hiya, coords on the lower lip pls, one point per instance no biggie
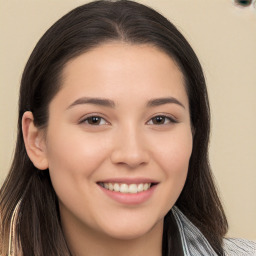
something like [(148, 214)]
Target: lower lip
[(129, 198)]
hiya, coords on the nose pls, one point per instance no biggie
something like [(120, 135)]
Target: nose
[(129, 148)]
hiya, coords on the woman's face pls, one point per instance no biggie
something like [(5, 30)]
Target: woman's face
[(120, 121)]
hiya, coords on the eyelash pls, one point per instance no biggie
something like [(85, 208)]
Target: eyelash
[(85, 120), (165, 117)]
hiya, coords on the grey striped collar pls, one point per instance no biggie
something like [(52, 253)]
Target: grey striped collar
[(193, 241), (195, 244)]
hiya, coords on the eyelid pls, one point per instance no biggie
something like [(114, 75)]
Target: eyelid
[(167, 116), (85, 117)]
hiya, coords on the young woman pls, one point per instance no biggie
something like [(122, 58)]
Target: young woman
[(112, 148)]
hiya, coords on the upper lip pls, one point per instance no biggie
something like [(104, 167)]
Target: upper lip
[(128, 181)]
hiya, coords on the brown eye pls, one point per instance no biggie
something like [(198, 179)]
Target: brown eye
[(161, 120), (94, 120)]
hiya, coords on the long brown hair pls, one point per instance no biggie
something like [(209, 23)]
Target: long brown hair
[(38, 226)]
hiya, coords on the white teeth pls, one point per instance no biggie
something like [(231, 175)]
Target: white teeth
[(145, 186), (133, 188), (110, 186), (116, 187), (125, 188), (140, 187)]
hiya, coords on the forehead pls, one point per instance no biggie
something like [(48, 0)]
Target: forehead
[(118, 69)]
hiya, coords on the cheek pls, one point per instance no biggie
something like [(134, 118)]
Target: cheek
[(75, 151), (173, 154), (173, 158), (73, 159)]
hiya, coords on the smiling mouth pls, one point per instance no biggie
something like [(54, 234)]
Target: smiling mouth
[(126, 188)]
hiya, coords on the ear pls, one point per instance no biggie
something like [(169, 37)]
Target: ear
[(34, 142)]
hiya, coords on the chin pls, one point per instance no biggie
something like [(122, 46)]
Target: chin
[(128, 235), (132, 231)]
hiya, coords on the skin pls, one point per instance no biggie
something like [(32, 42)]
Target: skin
[(126, 143)]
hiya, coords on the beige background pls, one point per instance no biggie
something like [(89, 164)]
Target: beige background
[(224, 37)]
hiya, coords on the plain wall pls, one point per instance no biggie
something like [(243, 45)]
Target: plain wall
[(224, 38)]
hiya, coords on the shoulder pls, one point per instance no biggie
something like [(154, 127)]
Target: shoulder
[(239, 247)]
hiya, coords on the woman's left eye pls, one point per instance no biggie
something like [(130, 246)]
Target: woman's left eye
[(161, 120), (94, 120)]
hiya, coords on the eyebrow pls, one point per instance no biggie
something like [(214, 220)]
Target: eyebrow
[(110, 103), (94, 101), (162, 101)]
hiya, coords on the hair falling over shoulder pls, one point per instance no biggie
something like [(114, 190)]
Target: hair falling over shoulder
[(38, 228)]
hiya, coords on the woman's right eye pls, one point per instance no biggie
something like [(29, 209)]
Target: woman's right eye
[(94, 120)]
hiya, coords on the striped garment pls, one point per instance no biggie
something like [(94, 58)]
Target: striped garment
[(195, 244)]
